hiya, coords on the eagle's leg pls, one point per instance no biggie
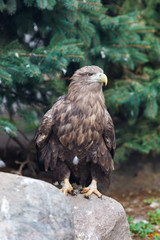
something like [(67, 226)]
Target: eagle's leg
[(67, 187), (92, 188), (63, 174)]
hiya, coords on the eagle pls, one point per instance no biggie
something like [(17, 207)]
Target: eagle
[(76, 138)]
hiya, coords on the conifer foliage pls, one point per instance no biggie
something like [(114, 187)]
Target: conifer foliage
[(42, 42)]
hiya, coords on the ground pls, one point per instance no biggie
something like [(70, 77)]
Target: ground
[(137, 188), (134, 205)]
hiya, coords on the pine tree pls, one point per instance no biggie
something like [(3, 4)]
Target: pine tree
[(136, 94), (44, 41)]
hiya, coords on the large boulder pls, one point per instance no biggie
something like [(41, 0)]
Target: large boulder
[(97, 219), (36, 210), (33, 209)]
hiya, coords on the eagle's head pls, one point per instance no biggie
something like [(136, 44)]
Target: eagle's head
[(90, 75)]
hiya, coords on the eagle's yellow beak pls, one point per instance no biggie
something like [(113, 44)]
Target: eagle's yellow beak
[(103, 79)]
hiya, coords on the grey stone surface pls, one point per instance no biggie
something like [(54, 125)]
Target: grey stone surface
[(33, 210), (97, 219)]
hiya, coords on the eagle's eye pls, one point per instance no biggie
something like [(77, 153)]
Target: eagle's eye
[(90, 74)]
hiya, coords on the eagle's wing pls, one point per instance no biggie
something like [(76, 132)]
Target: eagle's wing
[(109, 134), (44, 129), (107, 145), (46, 147)]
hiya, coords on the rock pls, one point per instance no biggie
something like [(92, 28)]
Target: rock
[(97, 219), (154, 205), (2, 164), (36, 210), (33, 209), (140, 219)]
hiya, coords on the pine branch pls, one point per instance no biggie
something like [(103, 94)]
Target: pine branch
[(132, 46), (74, 56), (92, 3)]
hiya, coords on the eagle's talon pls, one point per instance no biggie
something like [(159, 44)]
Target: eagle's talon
[(85, 190), (101, 197), (73, 193), (88, 197), (80, 189), (67, 187), (92, 188)]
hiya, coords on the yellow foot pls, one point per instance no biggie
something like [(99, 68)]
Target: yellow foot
[(67, 187), (92, 188)]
